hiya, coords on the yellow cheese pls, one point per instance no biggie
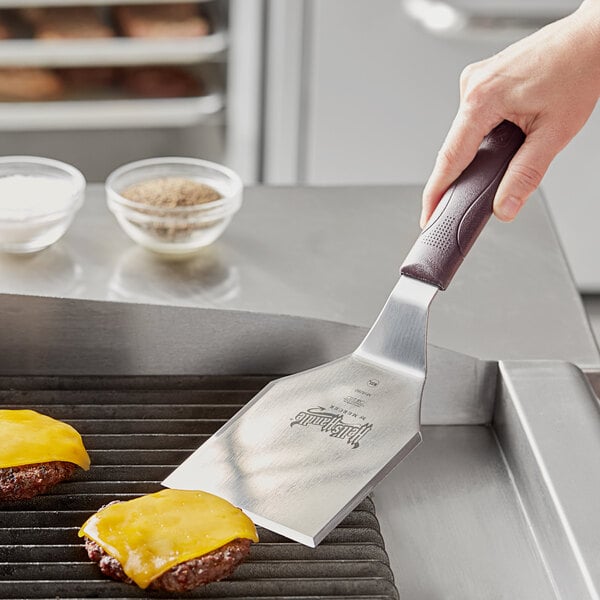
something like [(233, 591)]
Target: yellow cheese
[(29, 438), (151, 534)]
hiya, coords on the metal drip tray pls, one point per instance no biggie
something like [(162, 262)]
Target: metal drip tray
[(137, 430), (501, 506)]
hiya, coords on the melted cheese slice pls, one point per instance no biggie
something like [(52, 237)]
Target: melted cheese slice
[(29, 438), (151, 534)]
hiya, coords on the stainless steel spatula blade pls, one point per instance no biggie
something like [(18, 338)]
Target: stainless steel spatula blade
[(309, 447)]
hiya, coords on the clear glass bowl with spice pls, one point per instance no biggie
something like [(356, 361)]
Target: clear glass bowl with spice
[(174, 205), (39, 198)]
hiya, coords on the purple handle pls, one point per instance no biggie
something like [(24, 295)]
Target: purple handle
[(463, 210)]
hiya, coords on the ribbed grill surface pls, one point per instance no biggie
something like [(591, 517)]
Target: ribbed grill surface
[(137, 430)]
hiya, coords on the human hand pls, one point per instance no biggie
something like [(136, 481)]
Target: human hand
[(547, 83)]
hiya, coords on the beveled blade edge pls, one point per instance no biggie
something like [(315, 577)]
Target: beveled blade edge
[(313, 540)]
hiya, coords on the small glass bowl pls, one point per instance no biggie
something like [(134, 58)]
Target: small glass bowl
[(177, 230), (25, 229)]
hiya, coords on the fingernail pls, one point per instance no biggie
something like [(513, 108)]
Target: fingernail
[(422, 220), (508, 208)]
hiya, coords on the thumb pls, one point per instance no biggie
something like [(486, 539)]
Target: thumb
[(523, 176)]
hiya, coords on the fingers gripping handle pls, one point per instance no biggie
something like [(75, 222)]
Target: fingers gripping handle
[(463, 210)]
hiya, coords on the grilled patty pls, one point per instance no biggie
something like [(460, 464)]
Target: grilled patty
[(186, 576), (21, 483)]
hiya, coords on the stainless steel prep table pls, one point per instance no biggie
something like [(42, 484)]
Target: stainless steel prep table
[(332, 253), (477, 511)]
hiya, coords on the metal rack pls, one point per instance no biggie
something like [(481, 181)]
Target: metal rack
[(108, 114), (27, 3), (112, 52), (111, 108)]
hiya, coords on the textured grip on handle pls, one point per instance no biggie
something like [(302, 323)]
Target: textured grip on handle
[(463, 211)]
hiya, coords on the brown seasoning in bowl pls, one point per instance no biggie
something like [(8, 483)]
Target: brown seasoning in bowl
[(171, 193)]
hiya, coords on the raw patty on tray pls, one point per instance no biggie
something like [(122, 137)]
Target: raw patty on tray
[(6, 31), (161, 21), (87, 78), (67, 22), (161, 82), (28, 84)]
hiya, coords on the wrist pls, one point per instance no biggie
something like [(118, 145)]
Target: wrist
[(590, 5), (587, 17), (586, 38)]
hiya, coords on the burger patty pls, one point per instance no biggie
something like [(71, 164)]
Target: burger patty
[(26, 481), (183, 577)]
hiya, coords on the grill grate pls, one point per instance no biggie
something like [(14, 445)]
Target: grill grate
[(137, 430)]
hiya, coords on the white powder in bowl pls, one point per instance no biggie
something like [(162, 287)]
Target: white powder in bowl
[(26, 196)]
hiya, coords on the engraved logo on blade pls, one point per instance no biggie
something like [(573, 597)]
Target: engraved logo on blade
[(332, 424)]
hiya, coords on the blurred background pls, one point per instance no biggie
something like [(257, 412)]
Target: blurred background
[(310, 92)]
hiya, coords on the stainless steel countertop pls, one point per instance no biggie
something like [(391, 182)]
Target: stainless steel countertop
[(331, 253)]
